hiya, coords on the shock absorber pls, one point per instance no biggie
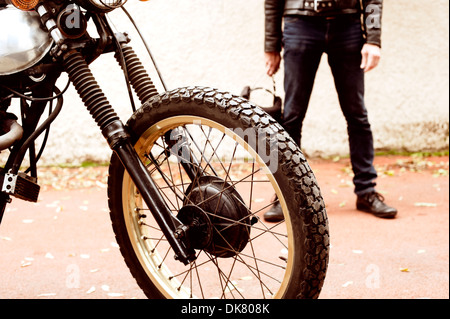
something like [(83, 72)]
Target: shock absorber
[(114, 131), (87, 87), (81, 77), (93, 98), (137, 75)]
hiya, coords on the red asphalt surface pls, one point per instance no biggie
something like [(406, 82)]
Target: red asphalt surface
[(63, 247)]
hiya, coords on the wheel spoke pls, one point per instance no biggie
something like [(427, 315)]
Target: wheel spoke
[(210, 275)]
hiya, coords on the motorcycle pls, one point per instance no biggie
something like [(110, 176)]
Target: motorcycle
[(191, 172)]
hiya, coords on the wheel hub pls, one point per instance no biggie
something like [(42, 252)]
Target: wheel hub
[(218, 220)]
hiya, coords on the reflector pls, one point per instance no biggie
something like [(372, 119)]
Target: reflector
[(25, 5)]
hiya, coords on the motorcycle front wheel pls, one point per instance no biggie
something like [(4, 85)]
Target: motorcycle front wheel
[(220, 162)]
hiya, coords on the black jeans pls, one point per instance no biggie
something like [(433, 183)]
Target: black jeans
[(305, 40)]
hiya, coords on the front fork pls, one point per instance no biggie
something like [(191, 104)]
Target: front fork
[(114, 132)]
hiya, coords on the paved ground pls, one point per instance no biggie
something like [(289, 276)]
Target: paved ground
[(63, 246)]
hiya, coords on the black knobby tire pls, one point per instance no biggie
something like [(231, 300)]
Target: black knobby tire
[(300, 261)]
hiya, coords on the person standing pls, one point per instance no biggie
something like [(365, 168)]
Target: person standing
[(349, 32)]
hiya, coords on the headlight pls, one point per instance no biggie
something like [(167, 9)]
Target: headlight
[(101, 5)]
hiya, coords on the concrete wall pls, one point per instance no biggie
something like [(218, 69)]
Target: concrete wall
[(219, 43)]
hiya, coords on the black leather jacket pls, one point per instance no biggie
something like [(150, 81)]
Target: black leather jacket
[(276, 9)]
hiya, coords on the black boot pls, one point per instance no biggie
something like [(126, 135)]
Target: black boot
[(275, 213), (373, 203)]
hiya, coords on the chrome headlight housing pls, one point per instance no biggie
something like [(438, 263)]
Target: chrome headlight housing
[(101, 5)]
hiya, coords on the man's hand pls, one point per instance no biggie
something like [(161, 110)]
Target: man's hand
[(371, 55), (272, 60)]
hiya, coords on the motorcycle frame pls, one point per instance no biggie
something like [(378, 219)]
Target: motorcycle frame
[(115, 132)]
